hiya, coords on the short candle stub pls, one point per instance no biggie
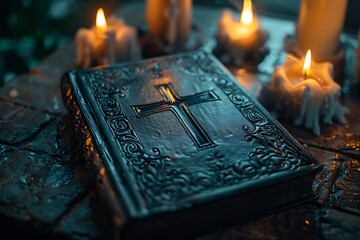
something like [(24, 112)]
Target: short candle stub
[(291, 46), (108, 42), (241, 42), (304, 91)]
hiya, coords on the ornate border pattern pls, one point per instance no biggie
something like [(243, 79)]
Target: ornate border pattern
[(161, 184)]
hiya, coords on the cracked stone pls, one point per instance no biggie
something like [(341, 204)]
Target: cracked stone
[(346, 192), (35, 189), (37, 91), (28, 122), (336, 223), (55, 139), (80, 222)]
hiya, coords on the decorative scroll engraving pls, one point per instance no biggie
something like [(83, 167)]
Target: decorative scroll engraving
[(158, 180), (275, 153), (180, 107)]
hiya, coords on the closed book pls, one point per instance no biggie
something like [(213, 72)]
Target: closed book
[(179, 148)]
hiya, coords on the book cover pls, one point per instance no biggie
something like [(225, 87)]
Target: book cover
[(180, 148)]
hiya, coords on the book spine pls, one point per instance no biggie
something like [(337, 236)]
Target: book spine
[(93, 160), (82, 133)]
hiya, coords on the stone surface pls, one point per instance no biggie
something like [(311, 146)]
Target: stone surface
[(36, 91), (346, 189), (54, 139), (339, 225), (36, 189), (44, 187), (296, 223), (78, 223), (28, 122)]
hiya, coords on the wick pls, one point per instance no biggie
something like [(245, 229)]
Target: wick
[(307, 73)]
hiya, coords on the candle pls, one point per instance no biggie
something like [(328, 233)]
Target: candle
[(319, 26), (106, 43), (238, 37), (305, 91), (169, 21)]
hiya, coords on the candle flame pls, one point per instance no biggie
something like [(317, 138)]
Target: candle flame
[(100, 20), (307, 63), (247, 14)]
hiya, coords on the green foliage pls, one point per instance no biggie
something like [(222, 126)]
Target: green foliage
[(32, 29)]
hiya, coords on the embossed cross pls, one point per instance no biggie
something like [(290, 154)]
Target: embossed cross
[(180, 107)]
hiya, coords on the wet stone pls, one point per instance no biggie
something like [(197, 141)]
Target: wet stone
[(323, 182), (346, 190), (56, 139), (79, 223), (28, 122), (340, 224), (35, 189), (37, 91), (295, 223)]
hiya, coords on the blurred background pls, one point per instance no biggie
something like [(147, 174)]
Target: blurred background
[(32, 29)]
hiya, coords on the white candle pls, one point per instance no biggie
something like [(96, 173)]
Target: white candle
[(243, 33), (319, 26), (169, 20), (306, 92), (106, 43), (239, 36)]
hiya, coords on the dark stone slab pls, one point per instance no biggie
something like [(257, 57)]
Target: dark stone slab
[(346, 189), (54, 139), (295, 223), (323, 182), (339, 225), (79, 223), (37, 91), (18, 123), (35, 189)]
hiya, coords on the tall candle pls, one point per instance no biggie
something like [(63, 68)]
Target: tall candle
[(169, 20), (319, 26)]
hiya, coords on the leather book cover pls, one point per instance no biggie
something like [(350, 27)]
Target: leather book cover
[(180, 148)]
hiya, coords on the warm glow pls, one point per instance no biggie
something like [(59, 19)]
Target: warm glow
[(100, 20), (307, 63), (247, 15)]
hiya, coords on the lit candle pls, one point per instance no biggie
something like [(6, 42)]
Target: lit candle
[(106, 43), (306, 92), (319, 26), (169, 21), (238, 37)]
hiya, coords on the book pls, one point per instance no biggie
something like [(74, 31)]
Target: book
[(179, 148)]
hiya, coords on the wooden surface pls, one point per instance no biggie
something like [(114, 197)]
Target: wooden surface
[(45, 190)]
